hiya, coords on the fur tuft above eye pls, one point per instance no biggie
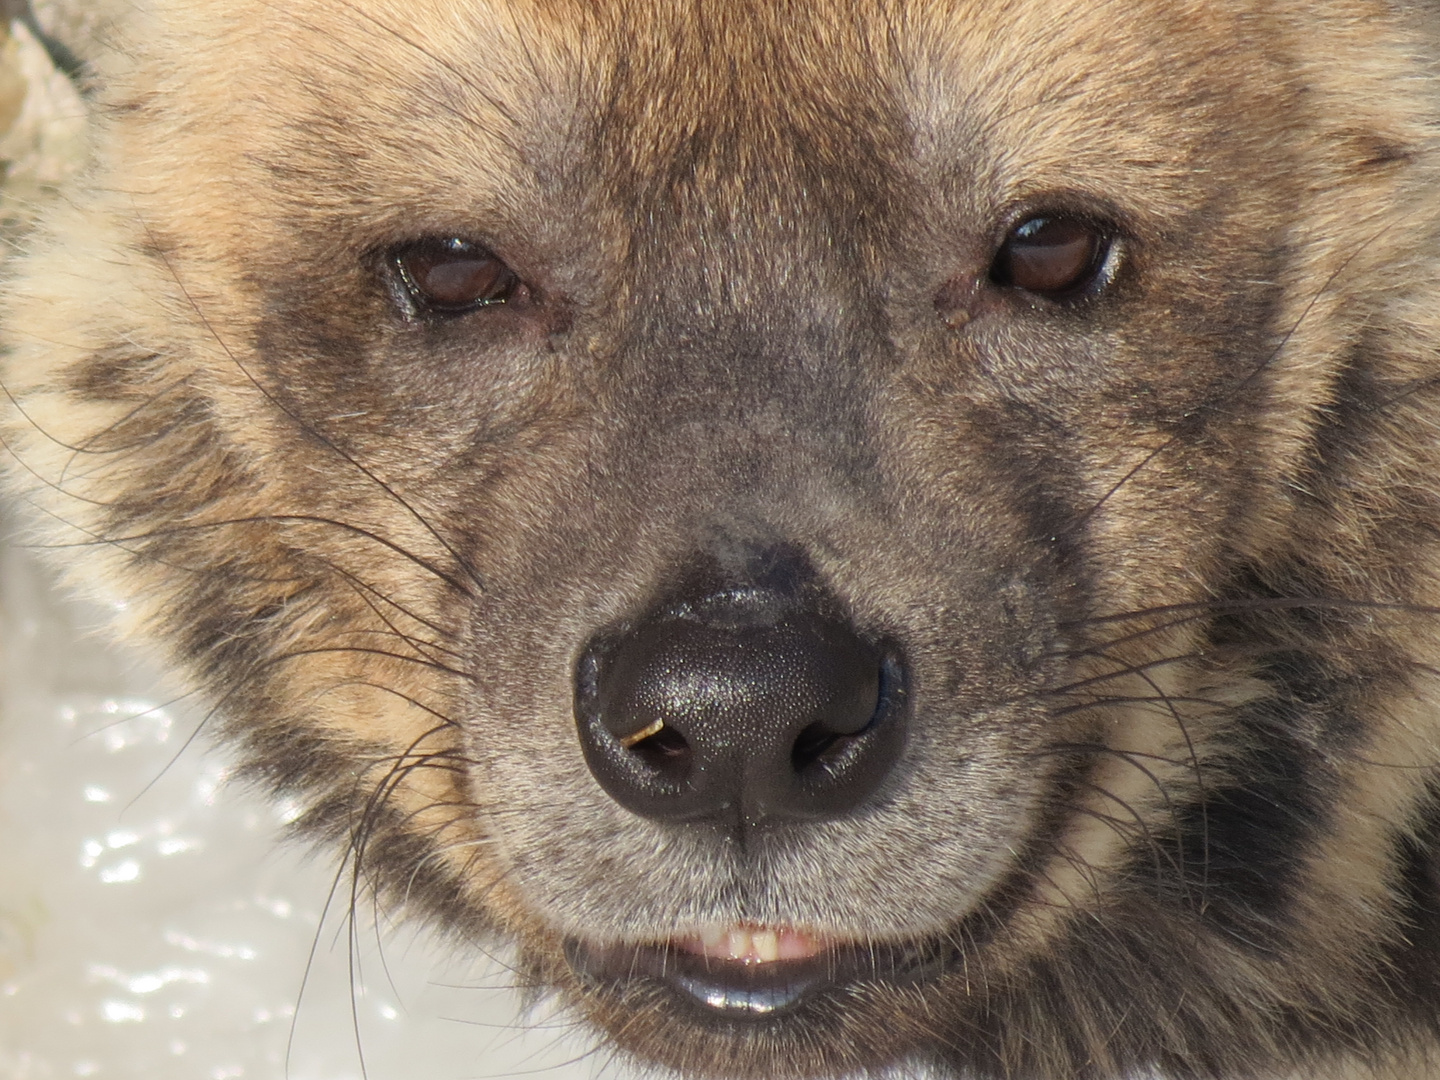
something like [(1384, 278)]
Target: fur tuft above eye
[(452, 276)]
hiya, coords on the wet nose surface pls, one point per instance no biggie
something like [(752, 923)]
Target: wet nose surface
[(741, 705)]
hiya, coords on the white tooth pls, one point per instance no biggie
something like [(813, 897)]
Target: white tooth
[(766, 944), (712, 936), (739, 945)]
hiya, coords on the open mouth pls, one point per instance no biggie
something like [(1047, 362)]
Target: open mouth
[(741, 972), (744, 972), (753, 944)]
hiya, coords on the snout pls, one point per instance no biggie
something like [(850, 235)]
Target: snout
[(778, 801), (738, 702)]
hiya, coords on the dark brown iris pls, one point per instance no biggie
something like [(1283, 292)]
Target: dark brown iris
[(454, 275), (1054, 257)]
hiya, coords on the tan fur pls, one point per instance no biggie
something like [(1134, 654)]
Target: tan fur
[(760, 234)]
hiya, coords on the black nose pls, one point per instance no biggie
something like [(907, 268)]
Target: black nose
[(741, 704)]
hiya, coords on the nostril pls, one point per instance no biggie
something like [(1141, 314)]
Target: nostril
[(826, 742), (813, 745), (622, 731), (663, 749)]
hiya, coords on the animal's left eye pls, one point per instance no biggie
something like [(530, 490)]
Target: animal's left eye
[(451, 276), (1054, 257)]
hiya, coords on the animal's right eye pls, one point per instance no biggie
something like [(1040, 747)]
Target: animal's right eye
[(452, 276)]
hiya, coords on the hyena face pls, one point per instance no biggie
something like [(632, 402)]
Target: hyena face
[(852, 533)]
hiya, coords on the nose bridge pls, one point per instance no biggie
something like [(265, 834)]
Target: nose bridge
[(760, 428), (744, 297), (791, 377), (768, 338), (732, 405)]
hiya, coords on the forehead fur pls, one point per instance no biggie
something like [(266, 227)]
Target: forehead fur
[(415, 116)]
